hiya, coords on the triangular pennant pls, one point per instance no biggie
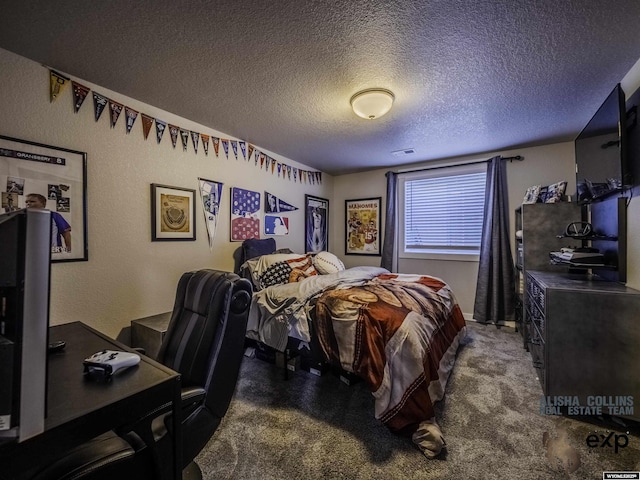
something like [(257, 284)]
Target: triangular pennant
[(160, 128), (289, 171), (225, 145), (262, 158), (184, 135), (115, 108), (268, 164), (243, 147), (147, 121), (205, 143), (99, 104), (234, 146), (251, 149), (273, 204), (304, 173), (311, 178), (131, 116), (319, 174), (295, 174), (173, 130), (216, 144), (279, 169), (273, 166), (257, 157), (195, 138), (57, 83), (80, 92)]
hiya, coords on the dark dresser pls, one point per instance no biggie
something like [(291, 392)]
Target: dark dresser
[(584, 338)]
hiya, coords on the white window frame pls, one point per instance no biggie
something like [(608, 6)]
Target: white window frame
[(435, 254)]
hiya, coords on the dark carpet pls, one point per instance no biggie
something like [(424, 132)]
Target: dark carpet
[(314, 427)]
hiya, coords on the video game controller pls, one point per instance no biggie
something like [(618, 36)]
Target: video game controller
[(108, 362)]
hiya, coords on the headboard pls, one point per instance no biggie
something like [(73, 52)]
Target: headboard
[(250, 248)]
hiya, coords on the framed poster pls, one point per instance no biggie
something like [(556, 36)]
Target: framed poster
[(363, 226), (172, 213), (33, 175), (245, 214), (316, 224)]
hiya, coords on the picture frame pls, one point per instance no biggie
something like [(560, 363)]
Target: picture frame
[(362, 226), (316, 224), (172, 213), (36, 175)]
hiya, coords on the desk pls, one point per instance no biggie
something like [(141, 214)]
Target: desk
[(80, 408)]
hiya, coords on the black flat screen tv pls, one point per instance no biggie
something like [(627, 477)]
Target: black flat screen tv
[(601, 151)]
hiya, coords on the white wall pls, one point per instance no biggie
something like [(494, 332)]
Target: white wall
[(541, 165), (128, 276)]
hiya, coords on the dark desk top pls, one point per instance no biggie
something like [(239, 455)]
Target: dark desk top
[(71, 394), (80, 407)]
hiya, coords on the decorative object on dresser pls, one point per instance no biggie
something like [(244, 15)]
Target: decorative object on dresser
[(537, 228)]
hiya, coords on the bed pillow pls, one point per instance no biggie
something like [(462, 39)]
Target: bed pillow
[(277, 269), (255, 247), (326, 262)]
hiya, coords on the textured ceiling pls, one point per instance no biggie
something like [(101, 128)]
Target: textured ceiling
[(469, 76)]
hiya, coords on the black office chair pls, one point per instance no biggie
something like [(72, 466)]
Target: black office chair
[(205, 343)]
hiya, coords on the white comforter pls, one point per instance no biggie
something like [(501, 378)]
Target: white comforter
[(280, 311)]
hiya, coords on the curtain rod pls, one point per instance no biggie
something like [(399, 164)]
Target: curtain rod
[(518, 158)]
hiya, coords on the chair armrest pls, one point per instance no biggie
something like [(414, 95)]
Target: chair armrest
[(192, 395)]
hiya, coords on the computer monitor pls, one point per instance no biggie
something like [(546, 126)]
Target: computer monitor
[(25, 272)]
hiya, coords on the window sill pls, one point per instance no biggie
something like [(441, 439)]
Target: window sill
[(444, 256)]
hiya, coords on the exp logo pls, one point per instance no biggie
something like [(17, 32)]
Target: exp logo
[(610, 440)]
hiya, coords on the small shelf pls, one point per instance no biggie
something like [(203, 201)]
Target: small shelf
[(583, 265), (590, 237)]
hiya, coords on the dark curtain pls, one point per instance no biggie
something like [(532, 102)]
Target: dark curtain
[(495, 296), (388, 259)]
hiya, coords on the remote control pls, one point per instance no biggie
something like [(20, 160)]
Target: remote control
[(108, 362)]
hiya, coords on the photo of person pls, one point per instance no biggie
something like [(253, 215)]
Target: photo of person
[(271, 203), (60, 228), (15, 185), (316, 224), (9, 201)]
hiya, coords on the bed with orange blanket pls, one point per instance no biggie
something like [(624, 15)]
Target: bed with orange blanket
[(398, 332)]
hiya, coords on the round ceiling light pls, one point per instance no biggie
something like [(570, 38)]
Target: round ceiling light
[(372, 103)]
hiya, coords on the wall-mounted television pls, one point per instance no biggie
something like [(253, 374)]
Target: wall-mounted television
[(601, 151)]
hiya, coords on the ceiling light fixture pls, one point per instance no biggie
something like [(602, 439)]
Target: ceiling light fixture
[(372, 103)]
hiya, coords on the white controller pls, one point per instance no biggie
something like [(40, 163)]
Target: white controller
[(108, 362)]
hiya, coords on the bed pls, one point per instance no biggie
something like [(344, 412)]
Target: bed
[(398, 332)]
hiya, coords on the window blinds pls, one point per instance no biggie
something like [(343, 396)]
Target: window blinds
[(444, 213)]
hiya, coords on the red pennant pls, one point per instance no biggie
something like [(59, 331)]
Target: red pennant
[(147, 121)]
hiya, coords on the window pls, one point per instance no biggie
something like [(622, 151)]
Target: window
[(441, 212)]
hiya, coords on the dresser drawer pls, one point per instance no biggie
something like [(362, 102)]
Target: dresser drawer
[(536, 292), (535, 316)]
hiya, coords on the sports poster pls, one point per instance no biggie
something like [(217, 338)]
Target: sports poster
[(363, 226), (245, 214)]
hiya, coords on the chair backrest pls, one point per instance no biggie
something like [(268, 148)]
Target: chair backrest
[(205, 337)]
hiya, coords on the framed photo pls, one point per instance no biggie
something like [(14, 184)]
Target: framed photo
[(33, 175), (363, 226), (316, 224), (172, 213)]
